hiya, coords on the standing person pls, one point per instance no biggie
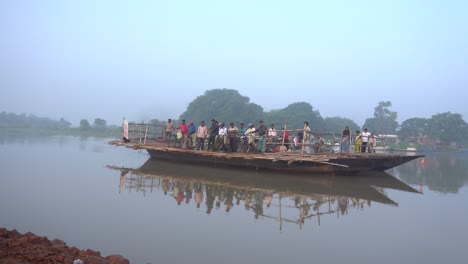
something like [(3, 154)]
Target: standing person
[(309, 138), (213, 133), (345, 140), (365, 138), (321, 143), (262, 130), (222, 136), (372, 143), (233, 133), (272, 134), (357, 142), (202, 133), (168, 129), (192, 133), (242, 129), (184, 129), (250, 133)]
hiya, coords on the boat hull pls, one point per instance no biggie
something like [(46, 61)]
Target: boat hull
[(336, 164)]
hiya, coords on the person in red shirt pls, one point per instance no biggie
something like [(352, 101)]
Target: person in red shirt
[(184, 130)]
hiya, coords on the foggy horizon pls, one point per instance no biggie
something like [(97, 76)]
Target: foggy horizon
[(148, 60)]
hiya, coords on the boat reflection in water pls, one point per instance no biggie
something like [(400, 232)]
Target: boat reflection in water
[(297, 197)]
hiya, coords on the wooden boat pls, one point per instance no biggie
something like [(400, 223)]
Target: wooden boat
[(330, 163), (365, 187)]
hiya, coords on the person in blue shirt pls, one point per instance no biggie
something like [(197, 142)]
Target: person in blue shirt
[(192, 134)]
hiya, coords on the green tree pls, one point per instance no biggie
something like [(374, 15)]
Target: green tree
[(384, 120), (100, 123), (225, 105), (296, 114), (84, 124), (336, 124), (448, 127), (64, 123), (413, 127)]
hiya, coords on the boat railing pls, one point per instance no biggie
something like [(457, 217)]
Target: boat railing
[(141, 132)]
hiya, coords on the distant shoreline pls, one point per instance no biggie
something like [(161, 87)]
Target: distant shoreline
[(112, 132)]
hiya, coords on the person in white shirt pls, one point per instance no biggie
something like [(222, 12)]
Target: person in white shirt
[(309, 138), (272, 135), (250, 133), (222, 134), (365, 138), (372, 143)]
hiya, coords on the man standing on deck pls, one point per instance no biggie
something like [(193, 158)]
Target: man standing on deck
[(214, 130), (168, 129), (365, 138), (308, 138), (261, 132), (202, 133), (184, 130), (192, 133), (242, 129)]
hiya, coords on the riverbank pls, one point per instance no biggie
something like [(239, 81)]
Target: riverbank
[(30, 248)]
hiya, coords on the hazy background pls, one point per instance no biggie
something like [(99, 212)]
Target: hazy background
[(149, 59)]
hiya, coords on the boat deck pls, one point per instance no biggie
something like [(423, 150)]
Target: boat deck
[(332, 163)]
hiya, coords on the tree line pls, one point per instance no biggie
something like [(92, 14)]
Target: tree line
[(228, 105)]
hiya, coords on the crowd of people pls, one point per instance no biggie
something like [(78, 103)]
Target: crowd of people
[(363, 141), (218, 137)]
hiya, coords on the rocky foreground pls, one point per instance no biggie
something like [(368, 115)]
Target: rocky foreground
[(30, 248)]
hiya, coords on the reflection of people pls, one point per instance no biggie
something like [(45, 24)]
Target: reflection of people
[(122, 180), (179, 197), (188, 192), (166, 185), (198, 196), (258, 208), (343, 204), (210, 198), (268, 199), (229, 199)]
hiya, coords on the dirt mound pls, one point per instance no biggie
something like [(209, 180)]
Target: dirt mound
[(30, 248)]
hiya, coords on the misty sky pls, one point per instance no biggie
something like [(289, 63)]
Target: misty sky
[(150, 59)]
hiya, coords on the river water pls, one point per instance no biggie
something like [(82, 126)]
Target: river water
[(158, 212)]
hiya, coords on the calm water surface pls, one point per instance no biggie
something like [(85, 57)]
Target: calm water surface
[(159, 212)]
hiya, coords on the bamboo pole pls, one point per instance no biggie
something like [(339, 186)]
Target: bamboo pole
[(341, 140), (146, 133), (303, 140), (283, 148)]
